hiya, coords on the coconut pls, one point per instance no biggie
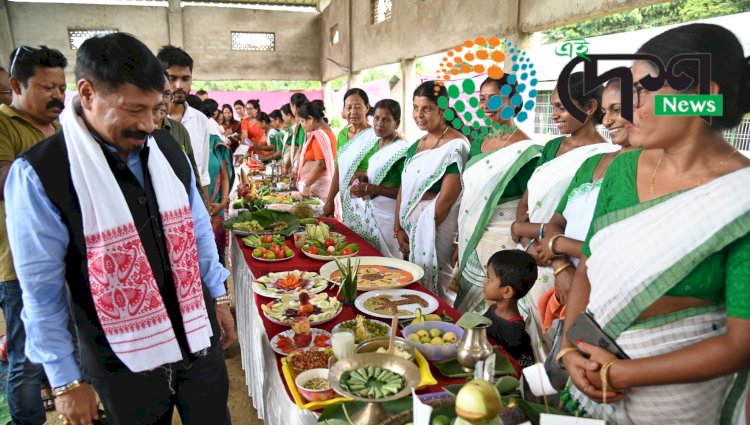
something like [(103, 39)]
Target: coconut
[(479, 403)]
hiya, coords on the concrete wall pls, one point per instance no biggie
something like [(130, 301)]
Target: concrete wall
[(335, 14), (206, 35), (423, 27)]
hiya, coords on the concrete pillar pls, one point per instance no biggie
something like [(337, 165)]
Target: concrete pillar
[(6, 35), (355, 79), (410, 82), (521, 40), (174, 21)]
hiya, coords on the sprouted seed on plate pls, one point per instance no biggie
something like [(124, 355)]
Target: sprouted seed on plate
[(397, 351), (316, 384)]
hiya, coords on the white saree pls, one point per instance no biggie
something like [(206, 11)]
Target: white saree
[(483, 225), (668, 238), (431, 247), (349, 158), (373, 218)]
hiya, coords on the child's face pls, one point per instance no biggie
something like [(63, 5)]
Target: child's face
[(492, 286)]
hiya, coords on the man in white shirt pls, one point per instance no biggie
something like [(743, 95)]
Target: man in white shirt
[(178, 66)]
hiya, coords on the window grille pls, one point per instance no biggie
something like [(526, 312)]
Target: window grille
[(254, 41), (381, 10), (77, 37)]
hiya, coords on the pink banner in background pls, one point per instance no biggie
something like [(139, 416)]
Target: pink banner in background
[(268, 100)]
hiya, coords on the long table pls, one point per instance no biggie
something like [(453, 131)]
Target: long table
[(262, 366)]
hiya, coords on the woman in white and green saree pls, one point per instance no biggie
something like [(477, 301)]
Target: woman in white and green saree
[(494, 179), (375, 174), (427, 204), (667, 260)]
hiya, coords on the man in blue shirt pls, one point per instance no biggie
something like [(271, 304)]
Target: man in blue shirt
[(111, 207)]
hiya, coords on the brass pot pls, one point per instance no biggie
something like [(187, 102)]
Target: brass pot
[(473, 347)]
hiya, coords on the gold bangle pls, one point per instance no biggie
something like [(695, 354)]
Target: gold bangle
[(551, 243), (561, 268), (603, 374), (58, 391), (562, 354)]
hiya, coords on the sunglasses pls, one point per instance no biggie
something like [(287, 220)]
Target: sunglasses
[(19, 52)]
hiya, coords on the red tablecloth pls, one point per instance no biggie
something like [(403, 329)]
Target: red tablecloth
[(302, 262)]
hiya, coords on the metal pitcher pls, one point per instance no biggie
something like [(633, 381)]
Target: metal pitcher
[(473, 347)]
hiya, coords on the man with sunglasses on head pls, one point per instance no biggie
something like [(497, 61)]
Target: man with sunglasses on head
[(37, 82), (6, 94)]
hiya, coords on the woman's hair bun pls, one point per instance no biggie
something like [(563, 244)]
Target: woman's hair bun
[(744, 99)]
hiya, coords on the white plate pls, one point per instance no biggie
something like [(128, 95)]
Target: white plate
[(280, 207), (432, 303), (387, 326), (327, 257), (271, 261), (287, 321), (318, 286), (417, 272), (289, 333)]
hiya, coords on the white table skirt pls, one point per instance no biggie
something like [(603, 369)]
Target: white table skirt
[(264, 382)]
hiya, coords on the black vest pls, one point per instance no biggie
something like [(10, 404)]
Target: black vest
[(49, 159)]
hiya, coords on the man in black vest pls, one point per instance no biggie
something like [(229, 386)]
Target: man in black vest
[(110, 206)]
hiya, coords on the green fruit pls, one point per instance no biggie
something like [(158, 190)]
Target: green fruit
[(422, 333), (257, 252), (507, 384), (288, 252), (435, 332), (414, 337), (425, 340), (437, 341), (433, 318), (440, 420)]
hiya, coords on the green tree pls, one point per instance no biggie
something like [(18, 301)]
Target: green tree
[(673, 12)]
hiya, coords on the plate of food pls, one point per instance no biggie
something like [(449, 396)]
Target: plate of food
[(319, 309), (381, 303), (273, 254), (301, 336), (276, 284), (263, 241), (364, 328), (278, 198), (263, 222), (378, 273), (322, 244)]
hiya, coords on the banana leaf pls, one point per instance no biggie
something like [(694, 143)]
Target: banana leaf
[(265, 218)]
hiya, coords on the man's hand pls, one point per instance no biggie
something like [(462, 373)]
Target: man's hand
[(78, 406), (226, 323)]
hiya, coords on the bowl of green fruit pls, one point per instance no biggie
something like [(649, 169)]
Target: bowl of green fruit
[(371, 377), (435, 340)]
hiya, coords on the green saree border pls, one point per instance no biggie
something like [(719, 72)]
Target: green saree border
[(527, 155), (732, 401), (674, 274), (665, 319)]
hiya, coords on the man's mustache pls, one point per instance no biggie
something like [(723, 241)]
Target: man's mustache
[(131, 134), (55, 103)]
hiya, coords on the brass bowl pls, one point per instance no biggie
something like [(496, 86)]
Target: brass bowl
[(405, 368), (371, 346)]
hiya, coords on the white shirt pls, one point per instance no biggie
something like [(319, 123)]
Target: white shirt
[(214, 128), (197, 126)]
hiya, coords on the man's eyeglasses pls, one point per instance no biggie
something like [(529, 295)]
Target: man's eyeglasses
[(19, 52)]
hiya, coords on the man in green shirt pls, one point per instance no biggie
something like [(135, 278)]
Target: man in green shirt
[(6, 94), (37, 80), (176, 130)]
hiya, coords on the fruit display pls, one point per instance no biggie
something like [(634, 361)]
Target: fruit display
[(319, 309), (277, 198), (372, 382), (274, 253), (479, 402), (247, 226), (302, 335), (302, 210), (433, 337), (276, 284), (264, 241), (420, 318), (365, 328), (285, 342), (266, 222), (320, 241)]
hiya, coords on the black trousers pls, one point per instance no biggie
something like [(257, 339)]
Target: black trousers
[(199, 388)]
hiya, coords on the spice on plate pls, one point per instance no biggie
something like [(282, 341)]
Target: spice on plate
[(305, 360), (316, 384)]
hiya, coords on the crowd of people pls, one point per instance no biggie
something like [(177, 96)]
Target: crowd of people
[(647, 235)]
